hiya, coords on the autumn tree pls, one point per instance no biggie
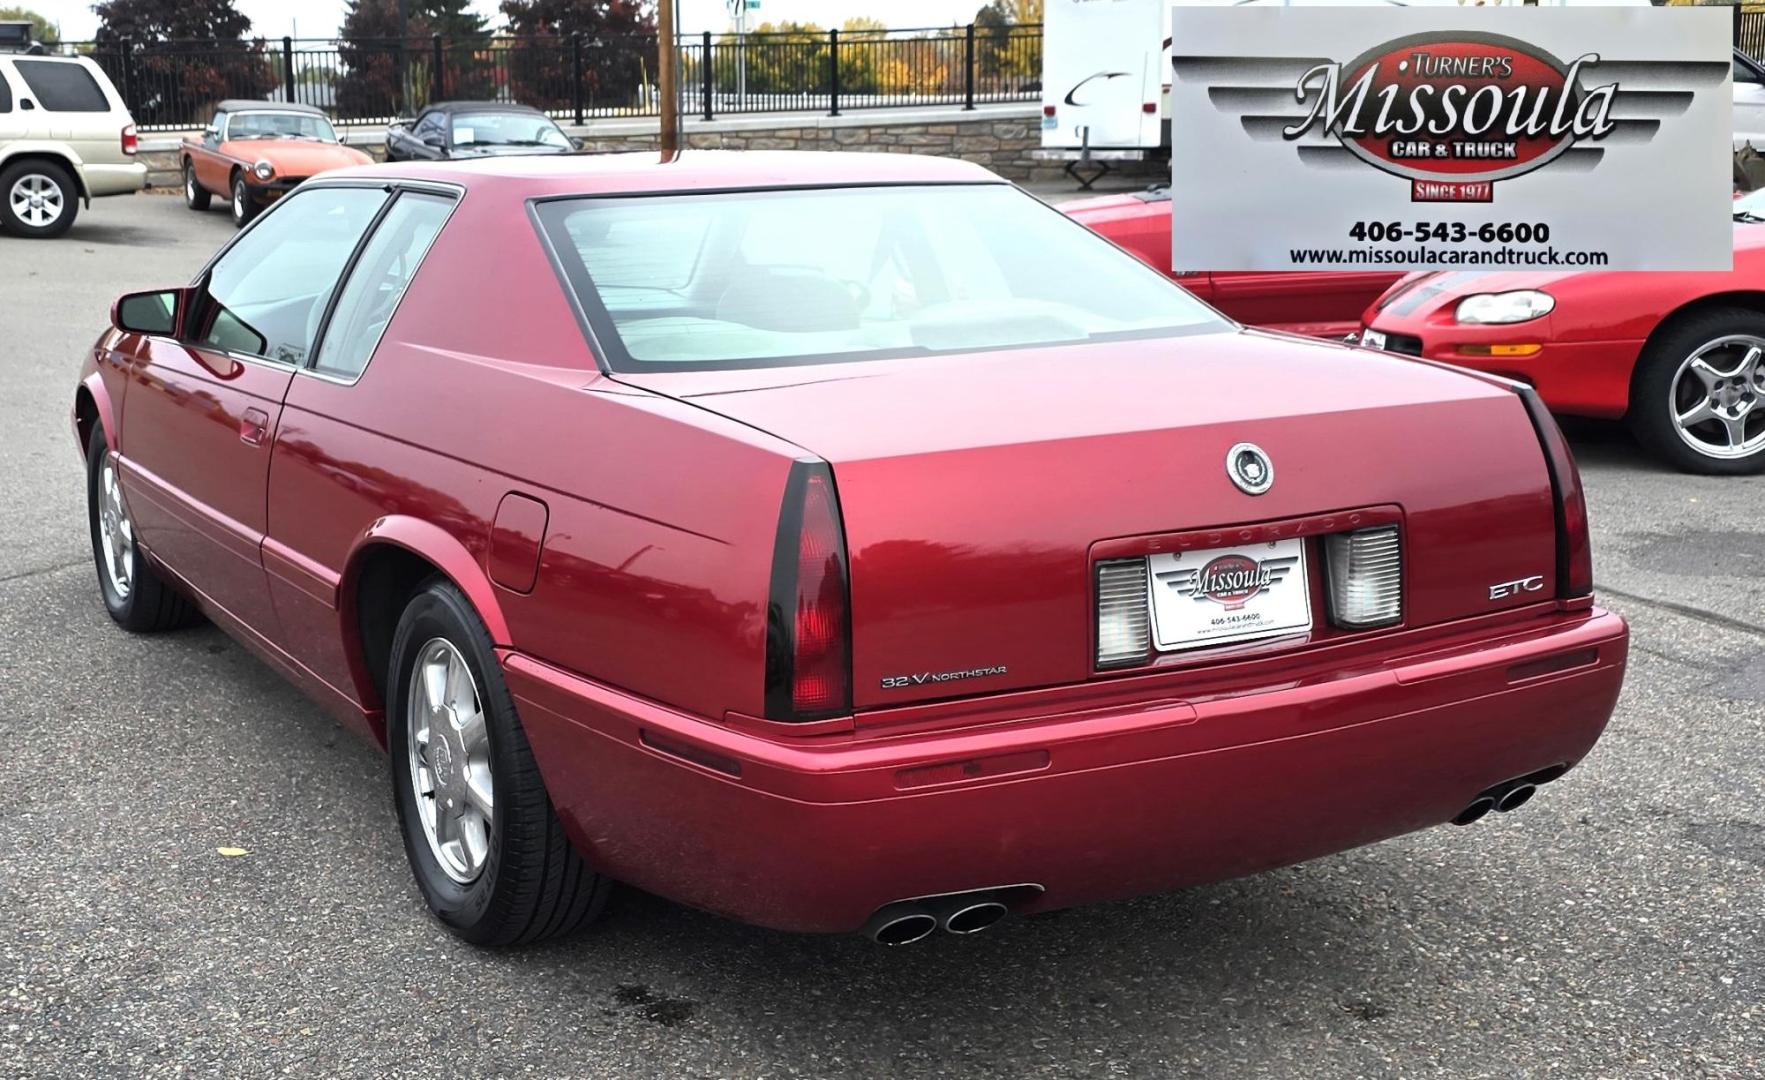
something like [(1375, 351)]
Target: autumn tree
[(618, 50), (171, 84)]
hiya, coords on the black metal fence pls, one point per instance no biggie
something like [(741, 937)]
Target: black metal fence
[(174, 85), (1749, 31)]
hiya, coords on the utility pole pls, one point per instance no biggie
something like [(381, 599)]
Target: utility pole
[(668, 75)]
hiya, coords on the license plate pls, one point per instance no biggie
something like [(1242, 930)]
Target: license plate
[(1229, 594), (1372, 339)]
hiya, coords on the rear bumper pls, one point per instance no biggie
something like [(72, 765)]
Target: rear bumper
[(815, 834), (104, 180)]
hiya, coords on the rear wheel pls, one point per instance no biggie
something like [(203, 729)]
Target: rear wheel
[(196, 197), (134, 594), (244, 206), (38, 199), (487, 849), (1698, 397)]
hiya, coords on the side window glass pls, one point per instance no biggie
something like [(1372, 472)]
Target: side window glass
[(267, 294), (63, 87), (5, 93), (430, 124), (371, 294)]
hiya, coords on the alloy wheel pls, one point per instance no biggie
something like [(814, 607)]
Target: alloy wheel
[(1717, 398), (238, 200), (36, 200), (115, 532), (448, 743)]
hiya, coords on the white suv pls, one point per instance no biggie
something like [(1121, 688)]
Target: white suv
[(65, 139)]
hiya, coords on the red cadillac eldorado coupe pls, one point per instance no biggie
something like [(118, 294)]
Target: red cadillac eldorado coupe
[(837, 542)]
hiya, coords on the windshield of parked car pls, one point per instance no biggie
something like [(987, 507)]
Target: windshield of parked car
[(507, 129), (769, 278), (280, 125)]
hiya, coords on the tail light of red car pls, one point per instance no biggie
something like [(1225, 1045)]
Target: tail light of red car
[(1574, 546), (131, 141), (809, 616)]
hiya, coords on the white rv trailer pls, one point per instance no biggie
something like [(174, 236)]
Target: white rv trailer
[(1106, 74)]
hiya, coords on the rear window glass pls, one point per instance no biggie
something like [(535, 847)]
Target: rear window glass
[(5, 92), (63, 87), (770, 278)]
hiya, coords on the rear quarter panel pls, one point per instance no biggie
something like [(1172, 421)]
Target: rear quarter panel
[(655, 565)]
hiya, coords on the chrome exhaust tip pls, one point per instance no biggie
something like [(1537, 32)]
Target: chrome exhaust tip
[(905, 929), (975, 917), (1515, 797), (1480, 806)]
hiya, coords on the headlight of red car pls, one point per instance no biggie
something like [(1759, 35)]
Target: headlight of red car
[(263, 170), (1502, 308)]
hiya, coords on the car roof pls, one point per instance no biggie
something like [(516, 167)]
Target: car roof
[(542, 175), (480, 106), (239, 105)]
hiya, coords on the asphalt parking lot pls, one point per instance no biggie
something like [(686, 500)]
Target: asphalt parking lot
[(1615, 927)]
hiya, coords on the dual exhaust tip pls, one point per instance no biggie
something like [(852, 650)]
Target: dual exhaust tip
[(1509, 795), (907, 921), (914, 926)]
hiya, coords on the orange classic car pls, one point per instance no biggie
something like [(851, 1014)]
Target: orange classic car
[(254, 152)]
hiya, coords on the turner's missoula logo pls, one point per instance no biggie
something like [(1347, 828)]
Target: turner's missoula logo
[(1230, 580), (1456, 112)]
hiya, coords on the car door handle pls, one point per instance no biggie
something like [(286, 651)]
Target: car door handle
[(254, 427)]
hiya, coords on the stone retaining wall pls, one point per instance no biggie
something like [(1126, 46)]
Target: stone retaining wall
[(1001, 138)]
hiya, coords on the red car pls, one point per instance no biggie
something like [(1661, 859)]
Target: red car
[(1679, 356), (833, 541), (1318, 303)]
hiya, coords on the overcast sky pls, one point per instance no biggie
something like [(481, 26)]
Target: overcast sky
[(321, 18)]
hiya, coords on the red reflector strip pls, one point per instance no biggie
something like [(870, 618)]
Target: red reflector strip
[(955, 772), (686, 752), (1550, 665)]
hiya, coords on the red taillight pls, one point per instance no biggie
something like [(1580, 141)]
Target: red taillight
[(1047, 110), (1149, 107), (131, 141), (809, 624), (1574, 546)]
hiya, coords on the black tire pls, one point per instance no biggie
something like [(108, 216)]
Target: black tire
[(196, 197), (531, 885), (1653, 396), (244, 205), (57, 188), (149, 605)]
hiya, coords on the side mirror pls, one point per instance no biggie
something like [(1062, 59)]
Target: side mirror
[(575, 143), (434, 139), (148, 312)]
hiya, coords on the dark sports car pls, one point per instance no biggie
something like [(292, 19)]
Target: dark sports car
[(449, 130)]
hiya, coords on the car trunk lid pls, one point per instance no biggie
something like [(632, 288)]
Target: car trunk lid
[(978, 490)]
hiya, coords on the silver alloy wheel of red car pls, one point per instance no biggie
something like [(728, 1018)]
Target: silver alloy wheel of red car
[(1718, 397), (449, 746), (37, 200), (116, 534)]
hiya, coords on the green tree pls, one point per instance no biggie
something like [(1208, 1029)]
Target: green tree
[(618, 49), (373, 57), (169, 84), (1005, 51), (41, 29)]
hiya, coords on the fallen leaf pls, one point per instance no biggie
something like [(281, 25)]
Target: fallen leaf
[(232, 852)]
